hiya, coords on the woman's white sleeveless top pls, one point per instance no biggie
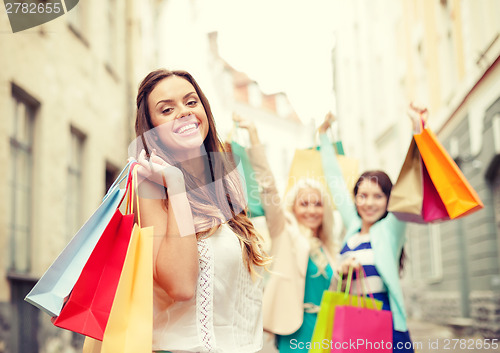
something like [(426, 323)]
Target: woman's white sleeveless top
[(226, 313)]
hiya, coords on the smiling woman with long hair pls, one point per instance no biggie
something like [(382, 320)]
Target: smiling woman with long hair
[(207, 255), (374, 237)]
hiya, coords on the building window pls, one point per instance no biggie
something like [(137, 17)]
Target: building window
[(76, 21), (425, 252), (74, 187), (111, 174), (20, 179)]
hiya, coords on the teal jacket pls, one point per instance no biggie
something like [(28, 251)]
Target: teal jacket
[(387, 236)]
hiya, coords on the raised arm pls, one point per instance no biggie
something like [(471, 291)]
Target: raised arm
[(334, 177), (175, 250), (271, 201), (418, 115)]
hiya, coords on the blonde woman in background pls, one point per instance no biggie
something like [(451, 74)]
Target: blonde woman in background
[(301, 231)]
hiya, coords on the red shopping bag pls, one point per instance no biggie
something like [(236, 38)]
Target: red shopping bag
[(433, 208), (88, 307)]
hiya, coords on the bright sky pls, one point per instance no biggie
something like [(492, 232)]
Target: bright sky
[(284, 45)]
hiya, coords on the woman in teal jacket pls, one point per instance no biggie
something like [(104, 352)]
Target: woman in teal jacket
[(374, 237)]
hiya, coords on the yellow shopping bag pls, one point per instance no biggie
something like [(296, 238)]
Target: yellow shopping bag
[(306, 163), (130, 325)]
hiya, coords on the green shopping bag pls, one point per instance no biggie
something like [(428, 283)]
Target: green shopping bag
[(322, 334), (247, 173)]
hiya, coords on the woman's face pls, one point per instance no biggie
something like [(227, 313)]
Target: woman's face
[(371, 201), (308, 208), (178, 115)]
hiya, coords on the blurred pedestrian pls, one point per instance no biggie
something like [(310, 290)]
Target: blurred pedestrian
[(374, 237), (300, 227), (207, 294)]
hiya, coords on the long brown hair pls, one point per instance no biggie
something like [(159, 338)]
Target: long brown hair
[(227, 196), (385, 183)]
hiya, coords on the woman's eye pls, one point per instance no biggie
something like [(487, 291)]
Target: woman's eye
[(166, 110), (191, 103)]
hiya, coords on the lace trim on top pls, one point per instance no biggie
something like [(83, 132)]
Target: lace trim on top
[(204, 296)]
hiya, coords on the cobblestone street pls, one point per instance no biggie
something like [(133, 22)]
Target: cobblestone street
[(429, 338)]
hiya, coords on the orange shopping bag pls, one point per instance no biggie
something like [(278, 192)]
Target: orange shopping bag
[(457, 194)]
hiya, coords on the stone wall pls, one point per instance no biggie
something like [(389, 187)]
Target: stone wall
[(485, 310)]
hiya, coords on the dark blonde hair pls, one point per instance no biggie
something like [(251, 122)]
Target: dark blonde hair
[(227, 196)]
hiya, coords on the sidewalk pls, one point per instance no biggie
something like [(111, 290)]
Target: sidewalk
[(431, 338), (428, 338)]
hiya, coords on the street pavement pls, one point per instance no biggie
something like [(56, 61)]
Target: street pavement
[(429, 338)]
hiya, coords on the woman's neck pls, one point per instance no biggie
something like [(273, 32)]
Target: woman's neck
[(199, 167), (365, 228)]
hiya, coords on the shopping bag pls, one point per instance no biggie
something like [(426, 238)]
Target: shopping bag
[(413, 197), (248, 178), (433, 208), (358, 328), (306, 163), (322, 334), (53, 288), (89, 304), (369, 329), (457, 194), (130, 324)]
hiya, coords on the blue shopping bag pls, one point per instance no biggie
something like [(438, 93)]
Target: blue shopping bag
[(50, 292)]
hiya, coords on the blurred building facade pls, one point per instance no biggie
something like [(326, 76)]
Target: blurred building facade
[(446, 55), (228, 88), (67, 93), (276, 121)]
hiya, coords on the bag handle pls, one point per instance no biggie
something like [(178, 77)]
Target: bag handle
[(348, 284), (347, 292), (119, 179), (135, 193), (366, 291), (360, 283), (128, 189), (132, 192)]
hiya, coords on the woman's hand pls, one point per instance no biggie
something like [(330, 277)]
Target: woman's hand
[(158, 171), (344, 269), (250, 126), (350, 262), (243, 123), (329, 119), (418, 115)]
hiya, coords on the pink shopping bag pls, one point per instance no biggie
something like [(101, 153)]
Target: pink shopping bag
[(359, 329)]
